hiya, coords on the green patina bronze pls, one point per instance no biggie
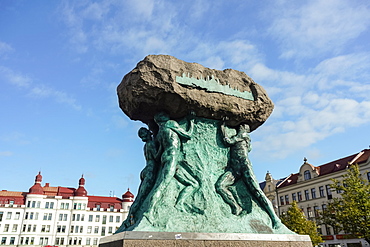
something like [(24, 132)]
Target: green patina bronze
[(213, 85), (198, 178)]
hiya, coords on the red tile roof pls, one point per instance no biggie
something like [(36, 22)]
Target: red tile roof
[(333, 166)]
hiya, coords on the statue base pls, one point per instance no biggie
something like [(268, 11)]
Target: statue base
[(141, 239)]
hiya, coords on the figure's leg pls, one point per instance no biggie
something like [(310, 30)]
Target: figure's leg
[(191, 185), (222, 187), (163, 180), (144, 190), (253, 186)]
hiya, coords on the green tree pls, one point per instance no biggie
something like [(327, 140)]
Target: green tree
[(296, 221), (352, 210)]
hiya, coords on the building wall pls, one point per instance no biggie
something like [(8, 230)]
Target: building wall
[(55, 220), (310, 189)]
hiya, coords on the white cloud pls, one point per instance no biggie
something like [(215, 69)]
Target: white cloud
[(6, 153), (15, 138), (5, 48), (59, 96), (318, 26), (38, 91), (14, 78)]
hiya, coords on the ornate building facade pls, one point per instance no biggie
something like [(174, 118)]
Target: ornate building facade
[(59, 216), (310, 187)]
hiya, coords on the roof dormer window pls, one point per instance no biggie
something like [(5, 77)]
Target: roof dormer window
[(307, 175)]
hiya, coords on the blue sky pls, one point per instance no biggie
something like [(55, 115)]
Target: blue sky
[(61, 61)]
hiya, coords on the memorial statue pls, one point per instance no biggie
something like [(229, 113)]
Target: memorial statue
[(148, 174), (169, 138), (240, 167), (198, 177)]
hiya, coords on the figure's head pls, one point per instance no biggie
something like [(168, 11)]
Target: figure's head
[(144, 134), (161, 117), (244, 128)]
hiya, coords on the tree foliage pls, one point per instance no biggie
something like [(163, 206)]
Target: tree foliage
[(352, 210), (296, 221)]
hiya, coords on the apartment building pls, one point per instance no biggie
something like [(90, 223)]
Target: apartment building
[(310, 187), (59, 216)]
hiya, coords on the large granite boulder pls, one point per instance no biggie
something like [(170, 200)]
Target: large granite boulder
[(165, 83)]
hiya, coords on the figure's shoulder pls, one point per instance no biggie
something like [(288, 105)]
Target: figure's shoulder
[(171, 124)]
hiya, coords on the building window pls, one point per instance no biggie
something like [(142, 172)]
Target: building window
[(294, 197), (12, 241), (62, 205), (96, 229), (81, 229), (328, 191), (38, 204), (313, 193), (95, 242), (321, 191), (9, 215), (98, 207), (32, 241), (103, 231), (72, 228), (110, 230), (309, 212), (3, 240), (89, 228), (299, 194), (88, 240), (61, 241), (111, 208), (97, 218), (31, 215), (306, 195), (17, 215), (307, 175), (104, 219), (6, 227), (15, 228), (90, 218), (111, 218), (46, 204), (51, 205), (281, 200), (67, 206), (26, 216), (316, 211), (287, 199), (118, 219)]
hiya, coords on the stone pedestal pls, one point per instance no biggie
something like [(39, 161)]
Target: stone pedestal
[(180, 239)]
